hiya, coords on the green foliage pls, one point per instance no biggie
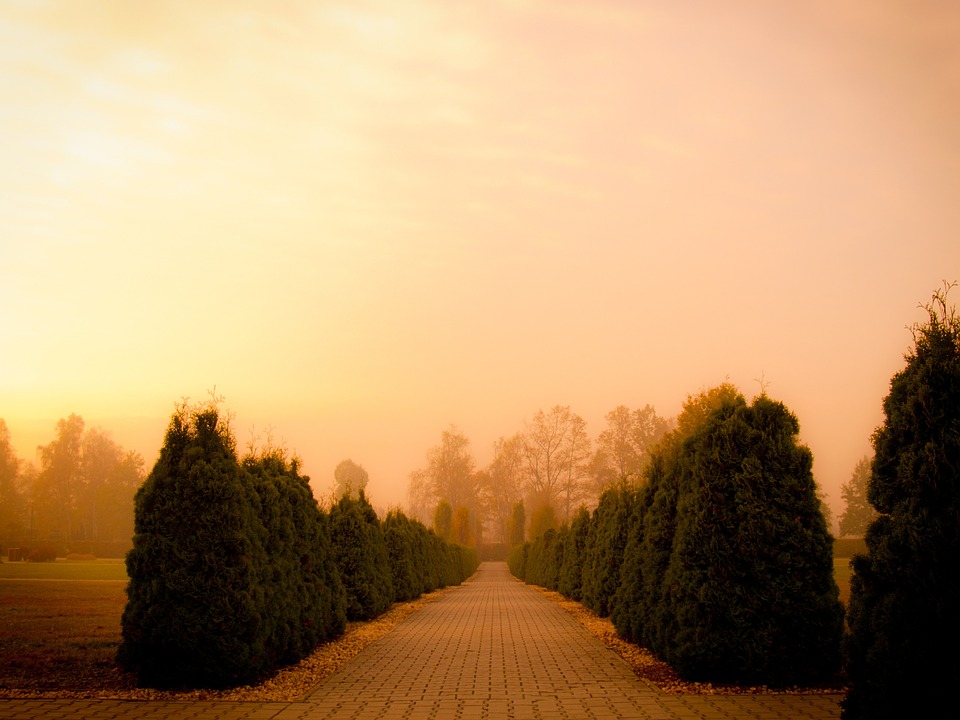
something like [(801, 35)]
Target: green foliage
[(544, 559), (362, 557), (905, 592), (443, 521), (303, 594), (544, 518), (460, 532), (641, 613), (233, 571), (603, 548), (518, 522), (194, 615), (627, 597), (750, 576), (404, 552), (464, 561), (858, 512), (13, 502), (571, 570), (517, 560)]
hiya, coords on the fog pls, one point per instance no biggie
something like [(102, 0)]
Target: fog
[(360, 225)]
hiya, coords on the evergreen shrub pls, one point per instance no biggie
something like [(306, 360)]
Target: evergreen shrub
[(362, 558), (603, 548), (195, 604), (750, 575), (571, 569), (904, 611), (517, 560), (303, 593)]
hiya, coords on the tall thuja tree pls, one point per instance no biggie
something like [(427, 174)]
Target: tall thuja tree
[(750, 576), (603, 548), (858, 512), (571, 570), (404, 555), (623, 609), (544, 558), (195, 606), (443, 520), (904, 614), (518, 524), (362, 558), (642, 613), (301, 583)]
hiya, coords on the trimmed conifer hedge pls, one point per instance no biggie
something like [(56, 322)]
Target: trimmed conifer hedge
[(236, 571), (195, 613), (721, 563), (301, 584), (750, 575), (360, 552), (902, 649)]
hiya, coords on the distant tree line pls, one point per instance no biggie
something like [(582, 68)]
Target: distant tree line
[(553, 467), (79, 498), (236, 570)]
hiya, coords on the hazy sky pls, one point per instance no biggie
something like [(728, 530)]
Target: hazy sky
[(364, 221)]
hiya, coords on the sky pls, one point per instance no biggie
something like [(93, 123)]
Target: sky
[(361, 222)]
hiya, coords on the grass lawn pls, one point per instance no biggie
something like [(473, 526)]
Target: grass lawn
[(842, 572), (60, 624), (107, 569)]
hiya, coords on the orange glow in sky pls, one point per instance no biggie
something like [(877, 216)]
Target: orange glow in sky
[(362, 222)]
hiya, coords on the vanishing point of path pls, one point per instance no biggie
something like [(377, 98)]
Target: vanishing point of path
[(493, 648)]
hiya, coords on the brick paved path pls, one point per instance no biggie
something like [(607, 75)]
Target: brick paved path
[(494, 648)]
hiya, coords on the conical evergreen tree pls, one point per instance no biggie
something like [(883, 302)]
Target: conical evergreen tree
[(362, 557), (603, 549), (750, 576), (904, 612), (301, 583), (195, 610), (398, 533), (571, 571), (642, 613)]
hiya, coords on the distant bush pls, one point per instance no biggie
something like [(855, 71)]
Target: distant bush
[(848, 547), (80, 557), (42, 553), (496, 552)]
